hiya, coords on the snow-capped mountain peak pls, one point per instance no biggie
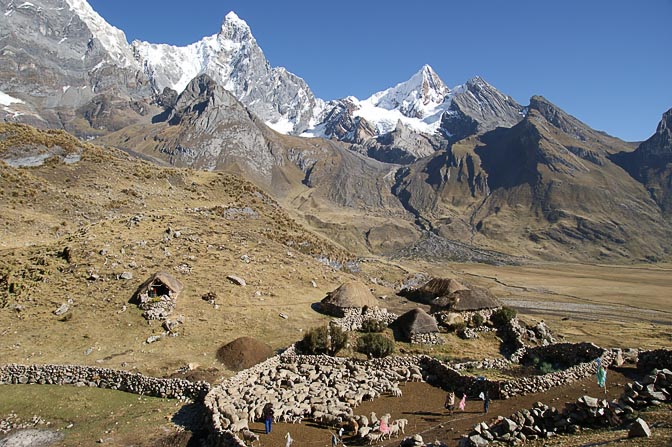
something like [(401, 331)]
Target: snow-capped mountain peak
[(416, 98), (234, 28), (112, 39)]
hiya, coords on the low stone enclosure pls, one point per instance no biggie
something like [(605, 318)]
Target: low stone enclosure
[(329, 389), (543, 421), (103, 378)]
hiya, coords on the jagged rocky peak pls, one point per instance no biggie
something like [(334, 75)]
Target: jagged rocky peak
[(478, 107), (236, 29), (233, 59), (415, 98)]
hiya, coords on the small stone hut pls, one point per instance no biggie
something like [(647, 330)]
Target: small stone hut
[(450, 295), (417, 326), (157, 295), (350, 298)]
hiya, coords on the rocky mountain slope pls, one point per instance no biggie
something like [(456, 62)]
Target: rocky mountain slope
[(417, 117), (651, 163), (233, 59), (546, 186), (69, 68), (417, 168)]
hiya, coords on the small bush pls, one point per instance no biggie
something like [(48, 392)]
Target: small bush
[(323, 340), (459, 327), (372, 325), (477, 320), (375, 345), (503, 316), (546, 368)]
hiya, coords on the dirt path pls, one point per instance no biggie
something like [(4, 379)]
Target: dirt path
[(422, 405)]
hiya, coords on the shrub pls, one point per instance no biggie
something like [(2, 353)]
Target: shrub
[(503, 316), (546, 368), (372, 325), (477, 320), (323, 340), (459, 327), (375, 345)]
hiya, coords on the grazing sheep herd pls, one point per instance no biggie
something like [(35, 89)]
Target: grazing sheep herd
[(326, 390)]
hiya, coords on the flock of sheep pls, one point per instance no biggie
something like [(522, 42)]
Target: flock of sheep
[(326, 391)]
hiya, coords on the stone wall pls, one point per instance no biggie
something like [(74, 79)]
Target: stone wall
[(103, 378), (447, 377), (563, 353), (658, 358), (543, 421), (355, 317), (430, 338)]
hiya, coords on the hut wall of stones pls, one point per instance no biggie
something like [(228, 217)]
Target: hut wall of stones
[(354, 317), (103, 378)]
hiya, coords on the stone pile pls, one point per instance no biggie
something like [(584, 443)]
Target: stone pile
[(655, 389), (430, 338), (158, 307), (103, 378)]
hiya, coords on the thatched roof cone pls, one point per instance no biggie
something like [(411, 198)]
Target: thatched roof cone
[(416, 321), (450, 294), (349, 295)]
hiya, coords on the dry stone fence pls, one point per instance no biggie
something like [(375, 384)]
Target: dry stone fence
[(542, 421), (103, 378)]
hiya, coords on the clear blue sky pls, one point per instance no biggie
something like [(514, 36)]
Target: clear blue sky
[(607, 62)]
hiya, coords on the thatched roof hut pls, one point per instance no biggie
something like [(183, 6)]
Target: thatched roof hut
[(160, 284), (449, 294), (414, 322), (350, 295)]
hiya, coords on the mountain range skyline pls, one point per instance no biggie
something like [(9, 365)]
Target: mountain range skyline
[(603, 69)]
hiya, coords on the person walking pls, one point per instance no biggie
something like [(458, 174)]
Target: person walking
[(268, 417), (463, 402), (486, 402), (450, 402)]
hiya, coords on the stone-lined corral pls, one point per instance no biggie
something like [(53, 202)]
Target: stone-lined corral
[(329, 389), (543, 421), (658, 358), (103, 378)]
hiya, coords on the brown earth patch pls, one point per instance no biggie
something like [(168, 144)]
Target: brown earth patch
[(243, 353)]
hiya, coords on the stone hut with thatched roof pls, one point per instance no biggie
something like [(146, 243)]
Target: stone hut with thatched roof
[(350, 298), (157, 295), (417, 326), (452, 296)]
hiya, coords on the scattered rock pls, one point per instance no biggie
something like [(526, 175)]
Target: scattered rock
[(237, 280), (639, 429), (285, 316), (126, 275), (313, 283), (153, 338), (62, 309)]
